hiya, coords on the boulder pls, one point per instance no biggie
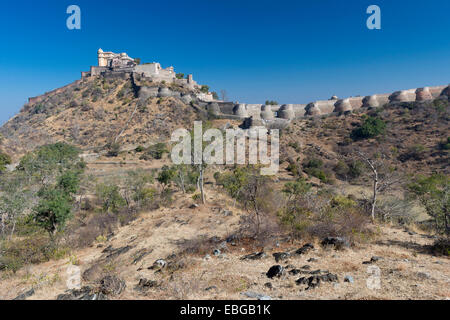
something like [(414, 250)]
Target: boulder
[(337, 242), (423, 275), (275, 271), (112, 285), (145, 284), (349, 279), (158, 264), (255, 295), (85, 293), (25, 295), (315, 280), (375, 259), (280, 256), (305, 249), (254, 256)]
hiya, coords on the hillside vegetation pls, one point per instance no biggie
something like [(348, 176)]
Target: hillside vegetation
[(93, 186)]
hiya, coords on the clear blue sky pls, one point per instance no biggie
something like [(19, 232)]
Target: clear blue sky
[(289, 51)]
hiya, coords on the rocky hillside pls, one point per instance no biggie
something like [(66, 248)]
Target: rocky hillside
[(138, 229), (93, 113)]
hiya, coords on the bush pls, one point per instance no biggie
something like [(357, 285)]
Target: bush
[(341, 169), (180, 75), (313, 163), (271, 102), (443, 145), (356, 168), (53, 209), (313, 167), (204, 89), (4, 161), (415, 152), (295, 145), (441, 246), (306, 214), (294, 168), (20, 252), (155, 151), (370, 128), (113, 149), (110, 197)]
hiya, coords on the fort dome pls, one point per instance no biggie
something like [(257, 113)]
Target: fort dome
[(213, 108), (343, 105), (371, 101), (266, 112), (313, 109), (240, 110), (286, 112), (423, 94)]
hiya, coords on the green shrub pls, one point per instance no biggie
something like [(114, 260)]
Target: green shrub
[(441, 246), (313, 163), (121, 93), (166, 175), (180, 75), (443, 145), (318, 173), (341, 169), (113, 149), (20, 252), (294, 168), (53, 209), (110, 197), (295, 145), (356, 168), (370, 128), (415, 152), (155, 151), (4, 161)]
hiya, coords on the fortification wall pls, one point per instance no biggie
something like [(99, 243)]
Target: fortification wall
[(277, 115)]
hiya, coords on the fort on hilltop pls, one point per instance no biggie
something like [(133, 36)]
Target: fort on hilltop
[(112, 64)]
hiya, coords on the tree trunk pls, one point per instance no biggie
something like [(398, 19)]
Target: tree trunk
[(12, 231), (374, 198), (201, 184)]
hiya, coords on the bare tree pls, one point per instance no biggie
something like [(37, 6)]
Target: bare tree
[(383, 177)]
